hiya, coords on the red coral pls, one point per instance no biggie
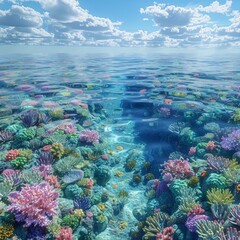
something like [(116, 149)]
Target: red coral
[(65, 234)]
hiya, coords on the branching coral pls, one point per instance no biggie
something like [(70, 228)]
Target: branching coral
[(155, 224), (34, 205), (218, 164), (234, 216), (220, 196), (179, 168), (220, 211), (209, 230)]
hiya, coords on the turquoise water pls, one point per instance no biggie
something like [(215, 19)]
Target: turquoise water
[(146, 109)]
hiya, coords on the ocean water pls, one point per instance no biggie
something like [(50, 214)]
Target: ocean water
[(131, 137)]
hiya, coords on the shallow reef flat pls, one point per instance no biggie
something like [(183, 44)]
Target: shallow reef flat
[(124, 147)]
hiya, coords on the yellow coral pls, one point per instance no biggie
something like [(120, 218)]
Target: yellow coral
[(79, 213), (119, 148), (57, 150), (122, 225), (6, 232), (101, 206), (118, 174), (220, 196)]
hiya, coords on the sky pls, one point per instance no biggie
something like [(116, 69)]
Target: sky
[(123, 23)]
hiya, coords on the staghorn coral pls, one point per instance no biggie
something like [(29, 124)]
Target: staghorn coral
[(155, 224), (34, 205), (234, 216), (220, 211), (209, 230), (220, 196), (5, 188), (218, 164)]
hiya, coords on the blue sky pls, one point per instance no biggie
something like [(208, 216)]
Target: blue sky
[(165, 23)]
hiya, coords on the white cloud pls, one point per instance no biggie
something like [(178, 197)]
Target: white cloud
[(173, 16), (65, 22), (20, 16), (215, 7)]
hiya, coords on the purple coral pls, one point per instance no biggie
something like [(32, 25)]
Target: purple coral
[(179, 168), (6, 136), (34, 204), (232, 141), (192, 221), (30, 118), (89, 136), (218, 164)]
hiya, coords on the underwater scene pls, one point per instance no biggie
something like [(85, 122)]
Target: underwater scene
[(119, 147)]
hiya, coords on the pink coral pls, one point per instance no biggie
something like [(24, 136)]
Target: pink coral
[(65, 234), (12, 154), (166, 234), (179, 168), (89, 136), (192, 151), (53, 180), (34, 204), (43, 170), (197, 210), (211, 146)]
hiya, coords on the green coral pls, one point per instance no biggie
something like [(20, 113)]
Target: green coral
[(5, 188), (14, 128), (236, 116), (220, 196), (193, 181), (177, 186), (31, 177), (209, 230), (26, 134), (73, 191), (56, 114), (154, 225), (65, 164), (216, 181), (19, 162), (26, 153), (70, 220)]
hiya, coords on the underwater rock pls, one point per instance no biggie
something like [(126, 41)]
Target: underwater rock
[(73, 176), (140, 213)]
